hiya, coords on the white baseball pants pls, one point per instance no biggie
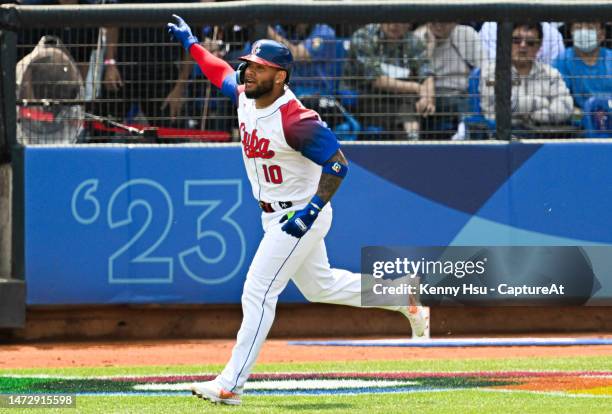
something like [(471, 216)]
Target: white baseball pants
[(281, 257)]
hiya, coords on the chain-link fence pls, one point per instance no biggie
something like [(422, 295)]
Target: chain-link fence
[(379, 81)]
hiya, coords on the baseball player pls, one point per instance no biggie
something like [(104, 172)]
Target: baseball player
[(295, 165)]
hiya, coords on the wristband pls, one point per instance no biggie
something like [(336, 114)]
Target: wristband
[(317, 202), (110, 62), (190, 41), (335, 168)]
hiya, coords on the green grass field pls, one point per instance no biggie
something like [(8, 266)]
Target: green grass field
[(470, 400)]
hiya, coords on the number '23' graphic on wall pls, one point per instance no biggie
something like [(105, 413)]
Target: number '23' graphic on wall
[(139, 260)]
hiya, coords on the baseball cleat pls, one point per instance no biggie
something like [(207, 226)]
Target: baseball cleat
[(214, 393), (419, 320)]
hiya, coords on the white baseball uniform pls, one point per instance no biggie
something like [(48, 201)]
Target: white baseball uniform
[(284, 146)]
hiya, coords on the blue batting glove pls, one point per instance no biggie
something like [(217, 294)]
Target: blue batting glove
[(181, 32), (299, 222)]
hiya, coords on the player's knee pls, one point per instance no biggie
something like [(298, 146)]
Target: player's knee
[(253, 288)]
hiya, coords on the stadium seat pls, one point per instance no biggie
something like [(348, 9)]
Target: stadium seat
[(597, 117), (477, 126), (345, 99)]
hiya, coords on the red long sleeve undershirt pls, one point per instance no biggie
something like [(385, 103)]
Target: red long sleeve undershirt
[(215, 69)]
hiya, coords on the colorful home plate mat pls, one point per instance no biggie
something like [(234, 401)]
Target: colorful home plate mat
[(461, 342), (592, 384)]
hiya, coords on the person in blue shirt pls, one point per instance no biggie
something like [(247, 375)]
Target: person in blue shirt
[(587, 66), (317, 68)]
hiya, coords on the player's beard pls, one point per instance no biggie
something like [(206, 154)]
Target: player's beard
[(261, 89)]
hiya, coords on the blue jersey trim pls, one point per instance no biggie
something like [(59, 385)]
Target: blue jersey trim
[(322, 144), (229, 87)]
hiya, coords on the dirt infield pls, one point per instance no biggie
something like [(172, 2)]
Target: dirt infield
[(193, 352)]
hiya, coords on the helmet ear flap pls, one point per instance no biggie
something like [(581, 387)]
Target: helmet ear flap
[(240, 70)]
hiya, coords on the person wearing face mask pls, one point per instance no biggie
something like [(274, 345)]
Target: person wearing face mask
[(540, 98), (551, 46), (586, 67)]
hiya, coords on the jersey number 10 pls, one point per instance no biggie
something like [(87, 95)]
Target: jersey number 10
[(273, 174)]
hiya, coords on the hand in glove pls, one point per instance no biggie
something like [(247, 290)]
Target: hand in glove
[(181, 32), (299, 222)]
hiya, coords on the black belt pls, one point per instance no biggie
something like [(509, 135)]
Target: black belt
[(276, 206)]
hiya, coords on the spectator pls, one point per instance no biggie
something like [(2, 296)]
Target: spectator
[(234, 40), (390, 64), (455, 50), (207, 107), (144, 75), (317, 66), (586, 67), (315, 70), (551, 45), (539, 95)]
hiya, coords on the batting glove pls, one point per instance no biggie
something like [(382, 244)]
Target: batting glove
[(299, 222), (181, 32)]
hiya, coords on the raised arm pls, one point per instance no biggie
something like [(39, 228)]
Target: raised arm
[(218, 71)]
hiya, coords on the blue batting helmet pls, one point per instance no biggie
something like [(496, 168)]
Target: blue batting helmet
[(270, 53)]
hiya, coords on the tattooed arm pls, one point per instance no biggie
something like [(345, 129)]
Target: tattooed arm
[(297, 223), (329, 183)]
